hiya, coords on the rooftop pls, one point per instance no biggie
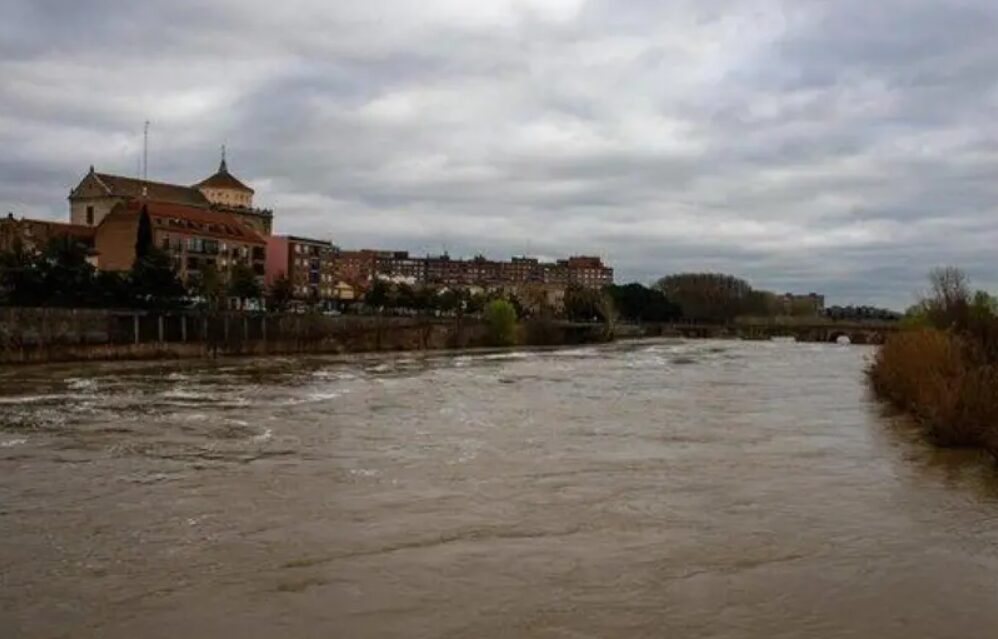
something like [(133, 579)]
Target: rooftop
[(222, 179), (191, 220), (121, 186)]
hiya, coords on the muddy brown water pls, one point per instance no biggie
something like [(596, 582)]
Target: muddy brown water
[(647, 489)]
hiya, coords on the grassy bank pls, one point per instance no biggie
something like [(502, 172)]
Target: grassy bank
[(943, 370)]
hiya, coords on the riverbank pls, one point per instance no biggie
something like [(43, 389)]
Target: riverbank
[(43, 335), (946, 381)]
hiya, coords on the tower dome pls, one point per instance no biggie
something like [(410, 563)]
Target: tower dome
[(225, 189)]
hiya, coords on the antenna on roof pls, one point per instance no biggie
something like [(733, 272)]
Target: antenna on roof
[(222, 167), (145, 152)]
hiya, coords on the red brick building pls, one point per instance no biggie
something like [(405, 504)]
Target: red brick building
[(309, 264), (34, 235), (194, 237), (360, 267)]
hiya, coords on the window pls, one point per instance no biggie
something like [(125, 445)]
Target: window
[(90, 216)]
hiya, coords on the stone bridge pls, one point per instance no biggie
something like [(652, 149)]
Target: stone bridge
[(803, 329), (816, 329)]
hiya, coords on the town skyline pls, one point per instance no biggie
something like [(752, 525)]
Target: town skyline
[(797, 149)]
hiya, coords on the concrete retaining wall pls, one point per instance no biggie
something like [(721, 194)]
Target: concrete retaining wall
[(38, 335), (35, 335)]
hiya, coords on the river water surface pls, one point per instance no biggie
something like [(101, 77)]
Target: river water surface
[(647, 489)]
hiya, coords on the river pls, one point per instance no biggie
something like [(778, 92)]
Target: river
[(643, 489)]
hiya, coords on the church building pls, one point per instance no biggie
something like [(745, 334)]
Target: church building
[(98, 193)]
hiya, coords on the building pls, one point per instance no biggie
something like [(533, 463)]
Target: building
[(793, 304), (521, 270), (399, 266), (98, 193), (226, 192), (361, 267), (588, 271), (309, 264), (357, 268), (196, 238), (214, 224), (34, 235)]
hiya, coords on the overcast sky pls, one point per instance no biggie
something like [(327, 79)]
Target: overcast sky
[(843, 147)]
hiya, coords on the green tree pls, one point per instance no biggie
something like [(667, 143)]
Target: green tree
[(154, 281), (984, 305), (67, 276), (378, 295), (423, 298), (584, 304), (762, 304), (112, 289), (143, 236), (280, 294), (208, 285), (447, 301), (638, 303), (243, 284), (707, 297), (22, 277), (500, 316), (405, 297), (474, 303), (915, 317)]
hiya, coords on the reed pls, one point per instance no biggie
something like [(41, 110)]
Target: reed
[(945, 381)]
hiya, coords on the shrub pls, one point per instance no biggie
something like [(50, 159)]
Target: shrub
[(941, 379), (501, 319), (944, 368), (542, 330)]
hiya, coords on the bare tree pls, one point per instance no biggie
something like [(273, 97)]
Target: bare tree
[(949, 297)]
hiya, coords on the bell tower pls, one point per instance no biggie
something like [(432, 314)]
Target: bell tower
[(225, 189)]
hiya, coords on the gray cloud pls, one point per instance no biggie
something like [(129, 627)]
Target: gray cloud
[(844, 147)]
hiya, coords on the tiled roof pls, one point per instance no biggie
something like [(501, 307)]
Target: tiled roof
[(121, 186), (192, 220), (80, 231), (223, 180), (244, 210)]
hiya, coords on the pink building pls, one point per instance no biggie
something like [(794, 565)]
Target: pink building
[(309, 264), (277, 258)]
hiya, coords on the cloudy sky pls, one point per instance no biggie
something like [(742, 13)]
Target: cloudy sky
[(844, 146)]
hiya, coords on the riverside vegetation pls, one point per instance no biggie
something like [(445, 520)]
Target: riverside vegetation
[(943, 370)]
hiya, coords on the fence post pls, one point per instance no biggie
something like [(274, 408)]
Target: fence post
[(225, 323), (183, 328), (263, 327), (160, 327), (245, 328), (135, 326)]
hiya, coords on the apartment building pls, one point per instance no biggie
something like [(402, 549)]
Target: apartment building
[(309, 264)]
